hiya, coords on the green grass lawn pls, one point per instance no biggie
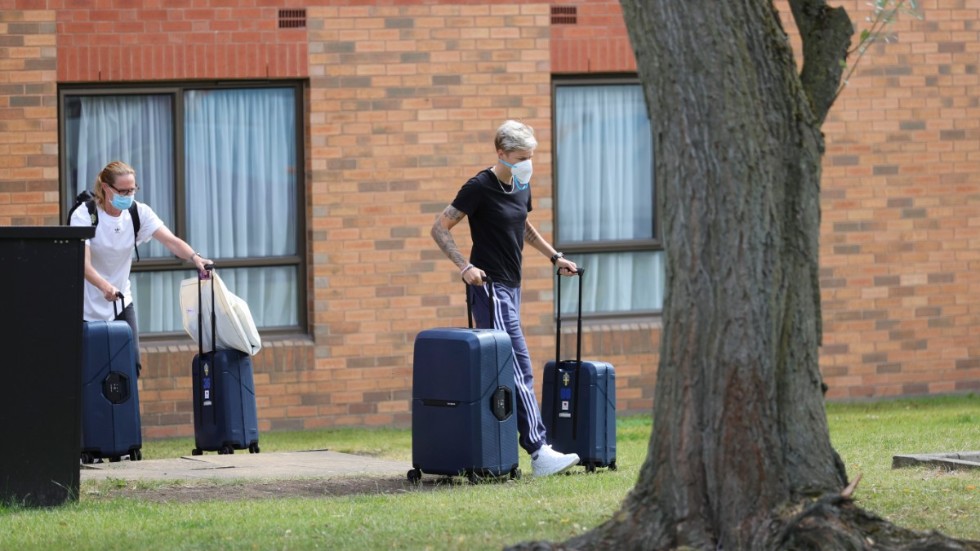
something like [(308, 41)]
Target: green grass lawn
[(489, 516)]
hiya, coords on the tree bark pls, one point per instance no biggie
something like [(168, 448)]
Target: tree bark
[(740, 454)]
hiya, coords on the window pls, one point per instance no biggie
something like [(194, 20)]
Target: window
[(222, 167), (606, 216)]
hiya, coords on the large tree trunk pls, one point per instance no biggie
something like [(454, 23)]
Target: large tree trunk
[(740, 429), (740, 455)]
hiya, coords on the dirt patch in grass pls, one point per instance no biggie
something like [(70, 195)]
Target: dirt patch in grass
[(191, 491)]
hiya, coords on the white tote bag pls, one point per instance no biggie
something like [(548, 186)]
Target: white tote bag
[(235, 326)]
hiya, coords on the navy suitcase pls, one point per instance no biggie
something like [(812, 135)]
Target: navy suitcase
[(225, 417), (464, 420), (110, 400), (579, 402)]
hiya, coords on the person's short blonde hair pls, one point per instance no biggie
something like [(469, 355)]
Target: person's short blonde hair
[(515, 136)]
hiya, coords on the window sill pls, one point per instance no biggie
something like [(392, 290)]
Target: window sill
[(186, 344), (602, 325)]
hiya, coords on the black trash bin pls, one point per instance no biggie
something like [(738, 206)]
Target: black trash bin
[(40, 362)]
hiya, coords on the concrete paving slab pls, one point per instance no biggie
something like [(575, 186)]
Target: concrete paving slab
[(258, 466), (952, 461)]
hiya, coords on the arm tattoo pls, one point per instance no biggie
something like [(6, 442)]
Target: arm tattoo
[(530, 235), (444, 239), (453, 213)]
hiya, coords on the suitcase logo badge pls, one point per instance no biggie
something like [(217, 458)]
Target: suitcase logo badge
[(206, 383), (565, 395), (115, 387)]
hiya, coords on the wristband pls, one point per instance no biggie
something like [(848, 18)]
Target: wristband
[(556, 256), (468, 266)]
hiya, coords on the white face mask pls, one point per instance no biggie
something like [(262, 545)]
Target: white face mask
[(521, 172)]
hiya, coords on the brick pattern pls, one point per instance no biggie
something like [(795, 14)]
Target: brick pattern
[(165, 387), (28, 119), (596, 43), (901, 212), (403, 100), (177, 40)]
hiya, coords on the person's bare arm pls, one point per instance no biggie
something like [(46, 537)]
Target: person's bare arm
[(181, 249), (444, 223), (92, 276), (534, 239), (441, 234)]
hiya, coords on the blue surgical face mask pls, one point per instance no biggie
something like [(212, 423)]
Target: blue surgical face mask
[(520, 172), (122, 203)]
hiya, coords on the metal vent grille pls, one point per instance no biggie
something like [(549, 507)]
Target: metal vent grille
[(292, 19), (564, 15)]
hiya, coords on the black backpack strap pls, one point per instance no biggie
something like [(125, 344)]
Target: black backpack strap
[(93, 213), (84, 198), (134, 214)]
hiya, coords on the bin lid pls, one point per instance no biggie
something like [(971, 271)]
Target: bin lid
[(47, 232)]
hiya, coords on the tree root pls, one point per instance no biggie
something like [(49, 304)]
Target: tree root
[(830, 522), (834, 522)]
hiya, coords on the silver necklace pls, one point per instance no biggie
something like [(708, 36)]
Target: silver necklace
[(501, 182)]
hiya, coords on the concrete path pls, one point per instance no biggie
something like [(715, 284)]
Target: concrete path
[(258, 466)]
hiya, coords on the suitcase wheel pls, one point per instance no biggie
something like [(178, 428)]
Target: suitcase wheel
[(135, 454), (515, 474), (612, 465), (114, 459), (87, 458), (590, 467), (226, 450), (253, 447), (415, 476), (197, 451)]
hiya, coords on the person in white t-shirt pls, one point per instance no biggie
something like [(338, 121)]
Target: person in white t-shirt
[(108, 255)]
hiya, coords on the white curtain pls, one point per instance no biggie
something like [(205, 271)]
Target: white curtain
[(240, 159), (240, 196), (606, 193), (137, 130)]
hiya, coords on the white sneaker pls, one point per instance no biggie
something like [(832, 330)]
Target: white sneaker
[(547, 461)]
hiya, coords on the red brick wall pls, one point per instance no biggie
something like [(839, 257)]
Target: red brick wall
[(403, 99), (901, 212), (176, 40), (595, 42), (28, 119)]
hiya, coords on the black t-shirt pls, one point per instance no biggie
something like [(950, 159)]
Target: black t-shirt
[(498, 215)]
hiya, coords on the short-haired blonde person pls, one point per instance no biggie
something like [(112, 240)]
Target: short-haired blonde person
[(497, 201), (108, 255)]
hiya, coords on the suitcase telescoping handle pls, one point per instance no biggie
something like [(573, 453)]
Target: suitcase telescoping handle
[(122, 304), (578, 345), (578, 342), (209, 268), (469, 303)]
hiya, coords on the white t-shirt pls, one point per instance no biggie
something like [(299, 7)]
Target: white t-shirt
[(111, 252)]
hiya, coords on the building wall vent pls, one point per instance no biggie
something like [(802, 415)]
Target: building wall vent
[(564, 15), (292, 19)]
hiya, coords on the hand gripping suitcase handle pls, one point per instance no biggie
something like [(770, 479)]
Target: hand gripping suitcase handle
[(469, 303), (122, 304)]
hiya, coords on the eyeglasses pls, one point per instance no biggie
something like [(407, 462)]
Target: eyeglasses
[(124, 192)]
